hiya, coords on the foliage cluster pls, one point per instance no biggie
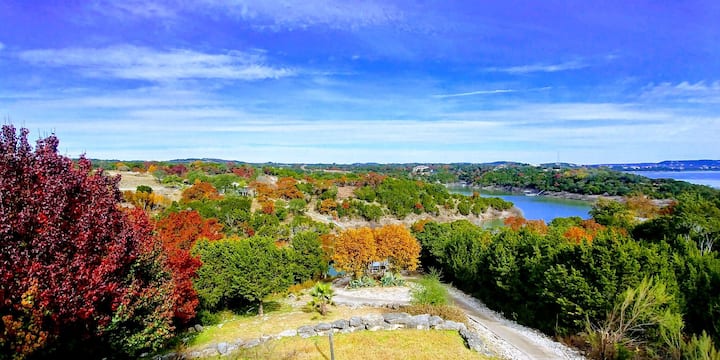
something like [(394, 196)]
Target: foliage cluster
[(355, 249), (430, 291), (558, 279), (78, 273)]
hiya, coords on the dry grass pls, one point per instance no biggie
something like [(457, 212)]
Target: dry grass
[(130, 180), (253, 327), (385, 345), (446, 312)]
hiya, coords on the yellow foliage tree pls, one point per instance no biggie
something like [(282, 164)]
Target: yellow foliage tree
[(354, 250), (642, 206), (397, 245)]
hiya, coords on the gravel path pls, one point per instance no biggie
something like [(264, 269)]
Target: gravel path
[(509, 339), (504, 337), (376, 296)]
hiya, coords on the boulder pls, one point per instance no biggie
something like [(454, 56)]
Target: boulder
[(450, 325), (434, 321), (251, 343), (287, 333), (420, 322), (396, 318), (373, 322), (341, 324), (355, 321), (473, 341), (306, 331), (198, 327), (323, 327), (222, 348)]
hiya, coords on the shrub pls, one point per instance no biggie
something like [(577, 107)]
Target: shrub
[(390, 279), (430, 291), (364, 281)]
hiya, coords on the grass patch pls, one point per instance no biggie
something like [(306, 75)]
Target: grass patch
[(363, 345), (235, 326)]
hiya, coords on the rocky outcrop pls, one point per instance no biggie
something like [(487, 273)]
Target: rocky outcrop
[(375, 322)]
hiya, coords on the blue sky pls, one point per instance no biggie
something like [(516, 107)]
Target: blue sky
[(366, 81)]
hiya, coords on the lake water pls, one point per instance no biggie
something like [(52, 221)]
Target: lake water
[(536, 207), (709, 178)]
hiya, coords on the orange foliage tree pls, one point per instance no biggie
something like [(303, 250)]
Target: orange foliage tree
[(577, 235), (518, 222), (327, 206), (538, 226), (371, 179), (200, 191), (515, 222), (263, 191), (354, 250), (178, 232), (395, 243), (286, 189), (268, 207)]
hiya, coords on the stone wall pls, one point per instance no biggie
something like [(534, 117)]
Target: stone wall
[(389, 321)]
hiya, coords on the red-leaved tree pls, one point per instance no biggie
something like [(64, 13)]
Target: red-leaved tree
[(178, 232), (76, 270)]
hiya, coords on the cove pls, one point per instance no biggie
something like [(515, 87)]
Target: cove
[(535, 207)]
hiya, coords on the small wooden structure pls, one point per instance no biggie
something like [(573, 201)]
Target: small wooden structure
[(378, 267)]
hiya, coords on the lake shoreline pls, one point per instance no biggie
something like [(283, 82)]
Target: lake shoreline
[(552, 194)]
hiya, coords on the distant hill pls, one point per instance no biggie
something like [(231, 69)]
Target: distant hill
[(667, 165)]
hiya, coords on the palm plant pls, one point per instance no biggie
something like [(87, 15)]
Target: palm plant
[(322, 295)]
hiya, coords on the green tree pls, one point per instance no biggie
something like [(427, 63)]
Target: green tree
[(241, 269), (308, 259), (612, 213), (297, 206)]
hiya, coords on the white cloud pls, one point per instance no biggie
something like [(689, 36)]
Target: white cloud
[(489, 92), (699, 92), (141, 63), (479, 92), (531, 68), (164, 122)]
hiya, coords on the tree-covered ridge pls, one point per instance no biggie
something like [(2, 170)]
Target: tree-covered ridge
[(590, 181)]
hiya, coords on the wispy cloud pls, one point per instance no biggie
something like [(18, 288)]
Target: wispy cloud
[(532, 68), (137, 9), (141, 63), (479, 92), (489, 92), (699, 92), (300, 14), (270, 15), (186, 123)]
